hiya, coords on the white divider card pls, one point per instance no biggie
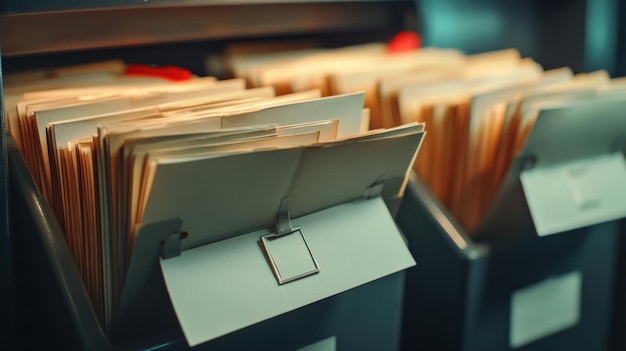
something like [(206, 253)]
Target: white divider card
[(579, 177), (545, 308), (219, 288), (328, 344)]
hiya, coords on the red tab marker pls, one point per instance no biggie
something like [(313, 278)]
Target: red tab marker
[(171, 73), (404, 41)]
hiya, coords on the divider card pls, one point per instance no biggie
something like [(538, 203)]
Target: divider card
[(219, 288), (579, 177)]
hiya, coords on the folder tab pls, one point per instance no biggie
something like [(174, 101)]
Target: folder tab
[(172, 246)]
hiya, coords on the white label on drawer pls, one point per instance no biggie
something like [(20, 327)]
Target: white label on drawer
[(328, 344), (545, 308)]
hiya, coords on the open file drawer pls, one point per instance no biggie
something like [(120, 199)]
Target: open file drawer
[(541, 293), (55, 310)]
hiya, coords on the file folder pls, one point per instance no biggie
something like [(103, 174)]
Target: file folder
[(222, 274), (201, 194), (50, 283)]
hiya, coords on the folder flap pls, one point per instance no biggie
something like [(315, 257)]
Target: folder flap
[(225, 286), (345, 108), (576, 193), (576, 130), (224, 196), (331, 174), (238, 193)]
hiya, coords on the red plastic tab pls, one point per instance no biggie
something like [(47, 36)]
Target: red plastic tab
[(404, 41), (172, 73)]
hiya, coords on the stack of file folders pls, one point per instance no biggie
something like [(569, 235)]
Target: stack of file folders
[(490, 117), (217, 186)]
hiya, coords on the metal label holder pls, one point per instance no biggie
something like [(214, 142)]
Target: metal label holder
[(284, 228)]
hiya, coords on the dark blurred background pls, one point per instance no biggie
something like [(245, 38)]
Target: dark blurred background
[(582, 34)]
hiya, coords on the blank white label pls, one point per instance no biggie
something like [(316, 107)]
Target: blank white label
[(576, 194), (328, 344), (545, 308)]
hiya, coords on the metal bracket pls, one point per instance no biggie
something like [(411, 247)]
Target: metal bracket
[(283, 219), (375, 189), (529, 162), (172, 246)]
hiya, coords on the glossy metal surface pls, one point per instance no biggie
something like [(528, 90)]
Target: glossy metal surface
[(439, 214)]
